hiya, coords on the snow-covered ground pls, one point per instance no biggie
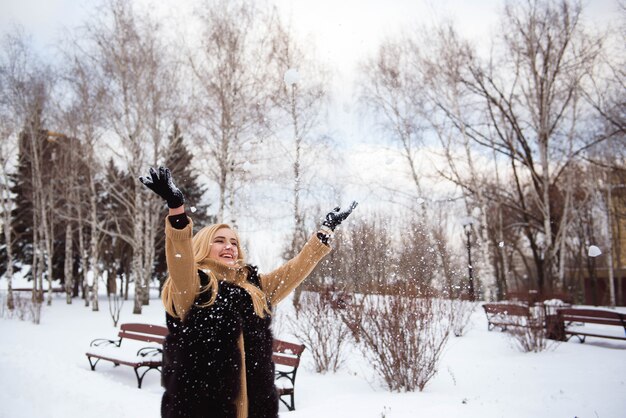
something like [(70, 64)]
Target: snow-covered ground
[(44, 373)]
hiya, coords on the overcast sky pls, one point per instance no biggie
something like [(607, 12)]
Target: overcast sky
[(342, 32), (340, 29)]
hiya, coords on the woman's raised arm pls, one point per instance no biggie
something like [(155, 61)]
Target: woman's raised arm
[(279, 283), (184, 280)]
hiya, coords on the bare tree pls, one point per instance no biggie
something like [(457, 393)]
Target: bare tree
[(300, 98), (8, 149), (392, 88), (526, 107), (27, 88), (230, 94), (83, 121), (131, 58)]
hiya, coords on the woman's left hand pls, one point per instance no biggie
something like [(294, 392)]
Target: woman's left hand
[(334, 218)]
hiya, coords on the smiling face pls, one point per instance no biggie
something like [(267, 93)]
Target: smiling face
[(224, 246)]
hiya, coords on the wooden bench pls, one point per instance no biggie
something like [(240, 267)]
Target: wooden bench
[(149, 357), (505, 315), (287, 357), (572, 317)]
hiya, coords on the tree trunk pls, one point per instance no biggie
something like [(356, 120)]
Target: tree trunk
[(94, 253), (138, 252), (9, 272), (83, 259), (148, 248), (68, 268)]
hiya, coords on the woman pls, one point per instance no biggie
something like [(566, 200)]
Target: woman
[(217, 358)]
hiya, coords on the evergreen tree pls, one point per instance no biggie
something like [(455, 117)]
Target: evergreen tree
[(116, 252), (179, 161), (53, 152), (22, 217)]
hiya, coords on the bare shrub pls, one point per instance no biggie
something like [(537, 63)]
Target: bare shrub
[(34, 309), (361, 260), (402, 336), (352, 316), (24, 308), (319, 326), (460, 314), (115, 307), (531, 335)]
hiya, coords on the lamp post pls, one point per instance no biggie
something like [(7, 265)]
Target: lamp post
[(467, 227), (594, 252)]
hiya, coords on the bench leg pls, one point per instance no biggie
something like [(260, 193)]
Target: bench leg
[(293, 402), (580, 338), (290, 406), (140, 377), (93, 365)]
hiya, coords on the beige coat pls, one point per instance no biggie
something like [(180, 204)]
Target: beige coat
[(276, 285)]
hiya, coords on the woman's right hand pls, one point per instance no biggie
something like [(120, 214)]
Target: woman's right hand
[(162, 184)]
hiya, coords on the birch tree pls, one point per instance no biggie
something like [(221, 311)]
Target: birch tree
[(8, 149), (83, 120), (231, 94), (27, 87), (299, 101), (131, 58)]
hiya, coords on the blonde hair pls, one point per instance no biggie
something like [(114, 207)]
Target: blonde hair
[(201, 245)]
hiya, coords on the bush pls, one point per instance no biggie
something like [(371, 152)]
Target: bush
[(531, 335), (318, 325), (24, 309), (460, 314), (402, 336)]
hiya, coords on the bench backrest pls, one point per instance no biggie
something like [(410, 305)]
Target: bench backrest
[(594, 316), (286, 353), (506, 308), (143, 332)]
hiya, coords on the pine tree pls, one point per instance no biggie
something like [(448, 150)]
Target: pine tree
[(179, 161), (116, 252), (22, 217)]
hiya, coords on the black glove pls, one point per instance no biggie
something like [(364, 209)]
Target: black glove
[(334, 217), (163, 185)]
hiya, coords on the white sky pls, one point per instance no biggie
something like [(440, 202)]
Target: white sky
[(340, 29)]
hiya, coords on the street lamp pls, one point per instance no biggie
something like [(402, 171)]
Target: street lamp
[(467, 227), (593, 252)]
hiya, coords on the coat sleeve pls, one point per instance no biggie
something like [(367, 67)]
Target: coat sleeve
[(279, 283), (181, 267)]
